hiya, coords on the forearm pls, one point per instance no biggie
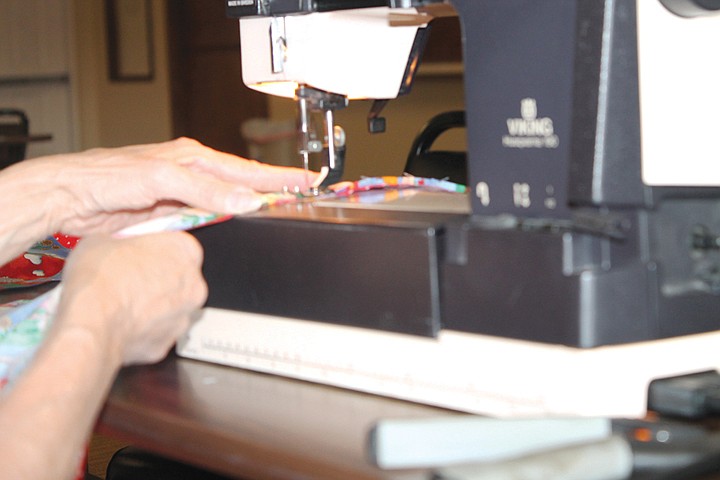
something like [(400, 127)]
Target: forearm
[(48, 413)]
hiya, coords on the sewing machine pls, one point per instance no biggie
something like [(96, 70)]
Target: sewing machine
[(590, 242)]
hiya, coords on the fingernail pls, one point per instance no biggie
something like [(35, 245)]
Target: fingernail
[(243, 201)]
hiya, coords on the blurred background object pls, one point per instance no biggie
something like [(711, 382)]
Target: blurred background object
[(14, 130)]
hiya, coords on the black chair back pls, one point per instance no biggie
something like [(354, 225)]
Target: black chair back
[(14, 129), (422, 161)]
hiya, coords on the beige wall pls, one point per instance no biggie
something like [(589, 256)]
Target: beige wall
[(385, 153), (117, 113)]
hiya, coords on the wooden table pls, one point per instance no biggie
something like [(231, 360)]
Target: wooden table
[(249, 425), (254, 426)]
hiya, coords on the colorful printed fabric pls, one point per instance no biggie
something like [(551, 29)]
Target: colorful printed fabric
[(185, 219), (365, 184), (22, 328), (42, 263)]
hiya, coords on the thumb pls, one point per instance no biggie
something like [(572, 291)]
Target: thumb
[(240, 200)]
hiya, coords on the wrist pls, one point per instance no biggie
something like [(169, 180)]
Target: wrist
[(89, 319)]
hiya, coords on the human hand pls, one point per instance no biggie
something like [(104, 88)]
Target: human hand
[(136, 296), (104, 190)]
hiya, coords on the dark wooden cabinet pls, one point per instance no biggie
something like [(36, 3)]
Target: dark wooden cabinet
[(209, 100)]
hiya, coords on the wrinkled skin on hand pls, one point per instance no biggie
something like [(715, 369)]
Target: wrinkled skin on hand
[(143, 291), (105, 190), (108, 189)]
